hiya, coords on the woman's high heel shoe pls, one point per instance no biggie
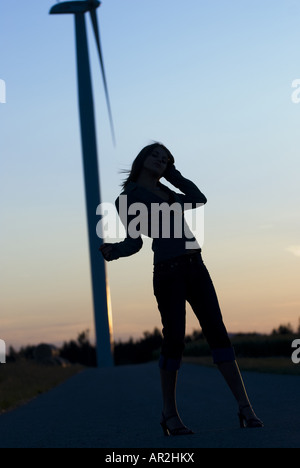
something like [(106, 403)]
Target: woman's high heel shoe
[(176, 431), (252, 423)]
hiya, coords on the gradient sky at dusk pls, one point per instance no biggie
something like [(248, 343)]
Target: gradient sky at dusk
[(213, 81)]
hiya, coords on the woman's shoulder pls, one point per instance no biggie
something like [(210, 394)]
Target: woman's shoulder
[(128, 191), (130, 187)]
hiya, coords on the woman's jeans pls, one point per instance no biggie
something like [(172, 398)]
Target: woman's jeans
[(186, 279)]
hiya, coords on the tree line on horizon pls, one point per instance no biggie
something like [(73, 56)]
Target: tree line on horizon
[(147, 348)]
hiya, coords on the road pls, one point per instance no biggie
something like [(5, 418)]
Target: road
[(120, 408)]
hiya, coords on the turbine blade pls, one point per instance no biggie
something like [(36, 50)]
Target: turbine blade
[(98, 42)]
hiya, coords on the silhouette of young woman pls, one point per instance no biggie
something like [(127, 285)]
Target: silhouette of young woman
[(179, 276)]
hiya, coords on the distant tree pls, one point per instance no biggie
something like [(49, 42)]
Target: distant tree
[(80, 351), (140, 351), (26, 352), (195, 336), (284, 330), (12, 354)]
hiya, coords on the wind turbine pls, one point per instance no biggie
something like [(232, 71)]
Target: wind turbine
[(90, 163)]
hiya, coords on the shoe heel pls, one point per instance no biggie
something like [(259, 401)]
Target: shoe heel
[(242, 420), (252, 423), (165, 429)]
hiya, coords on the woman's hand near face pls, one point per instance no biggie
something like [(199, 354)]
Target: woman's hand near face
[(106, 250), (170, 171)]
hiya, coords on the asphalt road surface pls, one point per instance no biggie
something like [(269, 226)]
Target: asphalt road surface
[(120, 408)]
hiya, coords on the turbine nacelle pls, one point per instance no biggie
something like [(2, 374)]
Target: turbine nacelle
[(74, 7), (79, 8)]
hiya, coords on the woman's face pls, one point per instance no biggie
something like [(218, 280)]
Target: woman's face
[(157, 162)]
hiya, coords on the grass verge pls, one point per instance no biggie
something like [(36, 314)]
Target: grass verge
[(24, 380)]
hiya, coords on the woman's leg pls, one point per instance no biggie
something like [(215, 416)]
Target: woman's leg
[(169, 289), (171, 422), (168, 385), (203, 299), (233, 378)]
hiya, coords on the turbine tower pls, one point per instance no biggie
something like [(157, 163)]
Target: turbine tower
[(100, 286)]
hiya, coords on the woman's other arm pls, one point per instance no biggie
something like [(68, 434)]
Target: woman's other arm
[(129, 246), (125, 248), (192, 194)]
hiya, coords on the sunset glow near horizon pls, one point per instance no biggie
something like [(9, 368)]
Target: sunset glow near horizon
[(216, 83)]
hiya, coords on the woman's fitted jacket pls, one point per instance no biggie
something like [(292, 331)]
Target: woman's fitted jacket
[(163, 221)]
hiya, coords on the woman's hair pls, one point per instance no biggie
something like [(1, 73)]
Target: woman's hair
[(138, 163)]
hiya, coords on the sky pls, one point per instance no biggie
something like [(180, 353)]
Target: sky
[(212, 80)]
